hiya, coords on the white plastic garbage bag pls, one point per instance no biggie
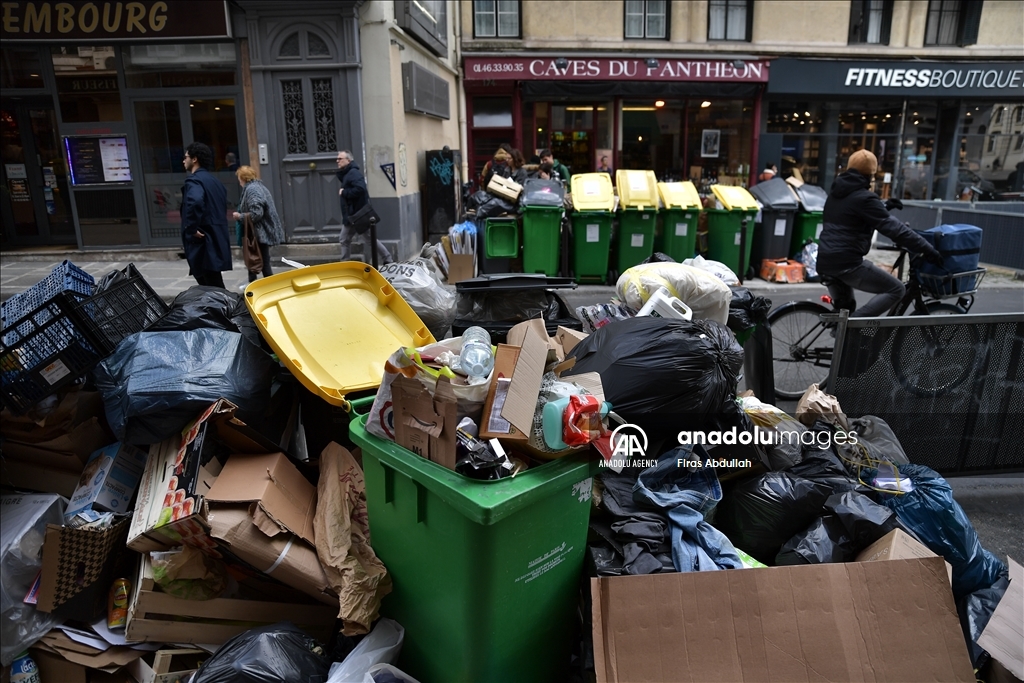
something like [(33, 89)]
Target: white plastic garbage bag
[(23, 520), (706, 295), (378, 672), (716, 268), (381, 646)]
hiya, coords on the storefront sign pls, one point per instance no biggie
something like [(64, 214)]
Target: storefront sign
[(88, 21), (611, 69), (822, 77)]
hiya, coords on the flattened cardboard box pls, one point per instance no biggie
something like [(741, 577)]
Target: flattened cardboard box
[(860, 621), (898, 545), (426, 424), (1003, 636)]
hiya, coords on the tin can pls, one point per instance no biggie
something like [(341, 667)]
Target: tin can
[(117, 605)]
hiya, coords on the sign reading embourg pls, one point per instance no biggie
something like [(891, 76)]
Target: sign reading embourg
[(614, 69), (106, 21)]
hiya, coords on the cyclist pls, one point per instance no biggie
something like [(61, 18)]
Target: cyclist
[(852, 213)]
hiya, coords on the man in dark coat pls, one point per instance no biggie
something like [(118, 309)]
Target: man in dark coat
[(204, 222), (354, 196), (852, 213)]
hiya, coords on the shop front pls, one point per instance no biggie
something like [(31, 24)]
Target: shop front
[(682, 118), (938, 129), (99, 102)]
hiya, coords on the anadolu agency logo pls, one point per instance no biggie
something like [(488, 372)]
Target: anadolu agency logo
[(629, 448)]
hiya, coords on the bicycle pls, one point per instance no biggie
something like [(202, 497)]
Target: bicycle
[(803, 341)]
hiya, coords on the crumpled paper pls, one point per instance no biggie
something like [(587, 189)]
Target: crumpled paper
[(342, 531)]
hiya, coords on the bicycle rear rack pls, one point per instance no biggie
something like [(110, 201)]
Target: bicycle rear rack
[(951, 286)]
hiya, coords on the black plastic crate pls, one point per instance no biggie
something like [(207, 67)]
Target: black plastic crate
[(123, 309)]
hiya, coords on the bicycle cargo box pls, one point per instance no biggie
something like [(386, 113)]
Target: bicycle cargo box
[(960, 246), (504, 188)]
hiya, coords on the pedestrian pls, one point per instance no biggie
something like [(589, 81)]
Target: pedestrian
[(768, 173), (520, 173), (545, 171), (354, 196), (559, 170), (257, 205), (501, 163), (604, 167), (204, 224), (231, 161)]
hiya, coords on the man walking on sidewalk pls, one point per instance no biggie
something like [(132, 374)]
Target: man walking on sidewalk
[(354, 196), (204, 222)]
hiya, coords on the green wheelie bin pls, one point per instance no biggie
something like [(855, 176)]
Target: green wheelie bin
[(593, 199), (678, 234), (732, 227), (638, 212), (543, 208)]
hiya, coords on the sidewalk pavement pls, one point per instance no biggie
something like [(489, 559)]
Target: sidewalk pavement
[(170, 277)]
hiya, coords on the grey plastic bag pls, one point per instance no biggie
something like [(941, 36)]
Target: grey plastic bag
[(422, 289)]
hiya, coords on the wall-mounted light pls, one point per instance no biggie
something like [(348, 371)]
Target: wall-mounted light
[(395, 42), (653, 63), (705, 104), (659, 103), (562, 63)]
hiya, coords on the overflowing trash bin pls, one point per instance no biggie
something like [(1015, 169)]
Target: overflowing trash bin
[(772, 236), (593, 199), (497, 302), (638, 211), (731, 229), (807, 223), (542, 206), (678, 218)]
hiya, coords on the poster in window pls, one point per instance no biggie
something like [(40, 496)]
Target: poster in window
[(709, 142), (98, 160)]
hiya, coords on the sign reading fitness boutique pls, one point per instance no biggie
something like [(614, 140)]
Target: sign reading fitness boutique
[(944, 79), (106, 21)]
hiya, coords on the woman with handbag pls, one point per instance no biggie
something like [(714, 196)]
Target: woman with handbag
[(261, 225)]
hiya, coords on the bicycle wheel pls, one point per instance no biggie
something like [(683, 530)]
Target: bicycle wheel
[(801, 347), (932, 360)]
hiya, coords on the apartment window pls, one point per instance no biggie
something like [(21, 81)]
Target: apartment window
[(1019, 144), (953, 22), (1018, 115), (496, 18), (870, 21), (730, 19), (646, 19)]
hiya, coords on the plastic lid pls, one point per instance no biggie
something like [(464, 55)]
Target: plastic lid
[(637, 189), (734, 198), (592, 192), (812, 197), (540, 192), (679, 195), (774, 194)]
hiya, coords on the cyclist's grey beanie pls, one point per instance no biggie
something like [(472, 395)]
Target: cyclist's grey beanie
[(863, 161)]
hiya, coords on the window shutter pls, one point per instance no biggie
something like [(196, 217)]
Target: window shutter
[(856, 21), (886, 22), (971, 21)]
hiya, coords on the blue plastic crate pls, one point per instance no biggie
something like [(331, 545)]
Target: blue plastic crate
[(65, 277)]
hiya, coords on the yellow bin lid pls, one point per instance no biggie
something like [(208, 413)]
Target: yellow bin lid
[(679, 195), (592, 192), (734, 197), (637, 189), (334, 325)]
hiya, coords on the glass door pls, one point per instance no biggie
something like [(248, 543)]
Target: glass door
[(165, 131)]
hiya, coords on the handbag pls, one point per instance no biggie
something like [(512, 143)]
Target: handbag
[(251, 254), (360, 220)]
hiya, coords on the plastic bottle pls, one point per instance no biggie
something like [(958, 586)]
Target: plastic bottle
[(24, 669), (476, 358)]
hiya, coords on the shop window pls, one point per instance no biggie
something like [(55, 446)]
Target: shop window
[(87, 84), (953, 22), (795, 117), (646, 19), (492, 112), (194, 65), (870, 21), (730, 19), (303, 45), (427, 21), (20, 69), (496, 18)]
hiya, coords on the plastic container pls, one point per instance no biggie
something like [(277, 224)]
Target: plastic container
[(121, 310), (636, 236), (501, 237), (806, 227), (24, 669), (664, 305), (542, 233), (486, 289), (334, 325), (476, 358), (592, 192), (677, 236), (726, 228), (593, 199), (637, 189), (484, 264), (65, 277), (772, 236), (486, 573)]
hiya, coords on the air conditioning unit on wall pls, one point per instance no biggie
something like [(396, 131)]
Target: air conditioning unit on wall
[(424, 92)]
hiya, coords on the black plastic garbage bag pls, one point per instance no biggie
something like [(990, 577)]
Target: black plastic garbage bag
[(975, 610), (279, 653), (865, 520), (855, 522), (212, 308), (761, 513), (658, 257), (820, 463), (826, 540), (494, 206), (477, 199), (667, 375), (747, 310), (156, 382), (499, 306), (941, 524)]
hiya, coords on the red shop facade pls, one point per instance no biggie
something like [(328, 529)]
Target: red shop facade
[(682, 118)]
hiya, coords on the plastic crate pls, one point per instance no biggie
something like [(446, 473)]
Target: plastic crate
[(125, 308), (65, 277), (48, 349)]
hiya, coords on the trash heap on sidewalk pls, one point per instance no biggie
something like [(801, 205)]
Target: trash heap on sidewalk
[(313, 481)]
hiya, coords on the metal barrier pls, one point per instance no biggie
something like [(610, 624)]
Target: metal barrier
[(951, 387)]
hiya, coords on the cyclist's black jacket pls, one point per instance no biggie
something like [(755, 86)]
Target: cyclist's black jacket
[(852, 214)]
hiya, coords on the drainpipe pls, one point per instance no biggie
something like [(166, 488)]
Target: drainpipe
[(460, 87)]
